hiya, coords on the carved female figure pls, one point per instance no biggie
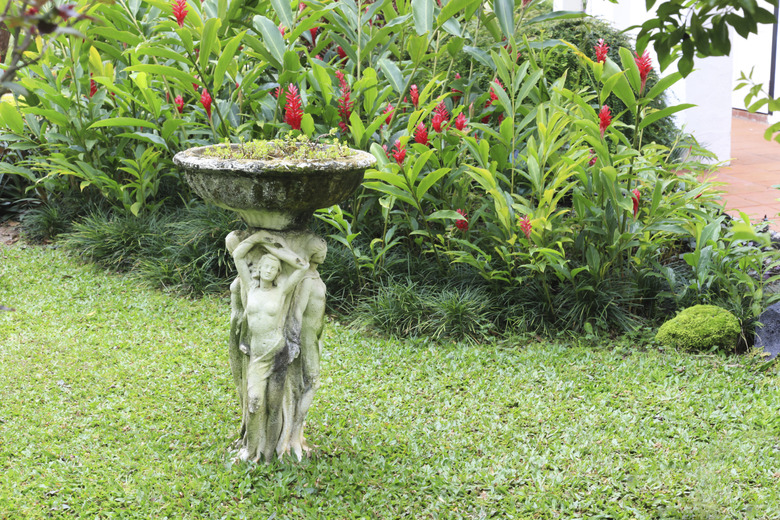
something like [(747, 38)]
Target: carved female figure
[(266, 296)]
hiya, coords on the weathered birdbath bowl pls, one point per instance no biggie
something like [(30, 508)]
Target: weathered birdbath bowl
[(277, 193), (278, 298)]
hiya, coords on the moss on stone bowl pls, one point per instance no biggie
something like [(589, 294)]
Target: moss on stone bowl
[(701, 328), (276, 193)]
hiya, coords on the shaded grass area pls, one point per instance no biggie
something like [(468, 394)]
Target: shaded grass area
[(116, 402)]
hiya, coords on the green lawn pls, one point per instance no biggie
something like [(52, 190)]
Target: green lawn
[(116, 402)]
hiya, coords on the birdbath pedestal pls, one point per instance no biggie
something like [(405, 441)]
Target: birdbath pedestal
[(278, 298)]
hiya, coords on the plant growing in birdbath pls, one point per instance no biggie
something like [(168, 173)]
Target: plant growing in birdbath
[(300, 148)]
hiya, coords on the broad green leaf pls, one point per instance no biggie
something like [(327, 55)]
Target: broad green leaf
[(323, 80), (417, 46), (170, 126), (445, 214), (272, 38), (344, 44), (394, 178), (398, 193), (55, 117), (505, 13), (149, 49), (414, 172), (225, 58), (11, 117), (95, 62), (356, 127), (422, 11), (185, 78), (112, 34), (480, 55), (208, 41), (659, 114), (430, 179), (123, 121), (284, 12), (631, 70), (556, 15), (663, 84), (393, 74), (147, 137), (451, 8)]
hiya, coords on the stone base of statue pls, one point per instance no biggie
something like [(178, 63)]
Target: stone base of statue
[(278, 298)]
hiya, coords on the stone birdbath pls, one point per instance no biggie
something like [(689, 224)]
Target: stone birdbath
[(278, 298)]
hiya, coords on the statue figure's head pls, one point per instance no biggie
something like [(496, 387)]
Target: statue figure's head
[(267, 268), (317, 249)]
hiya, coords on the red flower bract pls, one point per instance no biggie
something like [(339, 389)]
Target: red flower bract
[(601, 51), (415, 95), (389, 111), (92, 87), (635, 197), (179, 102), (460, 121), (605, 119), (180, 11), (645, 65), (421, 135), (345, 104), (525, 227), (399, 152), (293, 111), (205, 99), (462, 224)]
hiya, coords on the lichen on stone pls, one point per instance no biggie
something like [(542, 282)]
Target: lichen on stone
[(701, 328)]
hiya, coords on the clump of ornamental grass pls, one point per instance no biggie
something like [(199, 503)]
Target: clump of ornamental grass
[(298, 148)]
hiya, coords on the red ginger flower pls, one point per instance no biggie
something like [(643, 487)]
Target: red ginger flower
[(341, 52), (635, 197), (345, 107), (342, 79), (415, 95), (525, 227), (389, 111), (180, 11), (179, 102), (205, 99), (593, 158), (460, 121), (601, 51), (462, 224), (605, 119), (293, 112), (399, 152), (645, 65), (440, 116), (421, 135), (92, 87)]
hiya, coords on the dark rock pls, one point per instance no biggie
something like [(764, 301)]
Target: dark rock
[(768, 336)]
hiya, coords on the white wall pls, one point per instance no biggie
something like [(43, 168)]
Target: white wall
[(754, 54), (709, 86)]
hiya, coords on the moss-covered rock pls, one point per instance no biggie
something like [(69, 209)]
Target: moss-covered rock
[(701, 328)]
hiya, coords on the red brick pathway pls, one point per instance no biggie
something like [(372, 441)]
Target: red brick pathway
[(755, 168)]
